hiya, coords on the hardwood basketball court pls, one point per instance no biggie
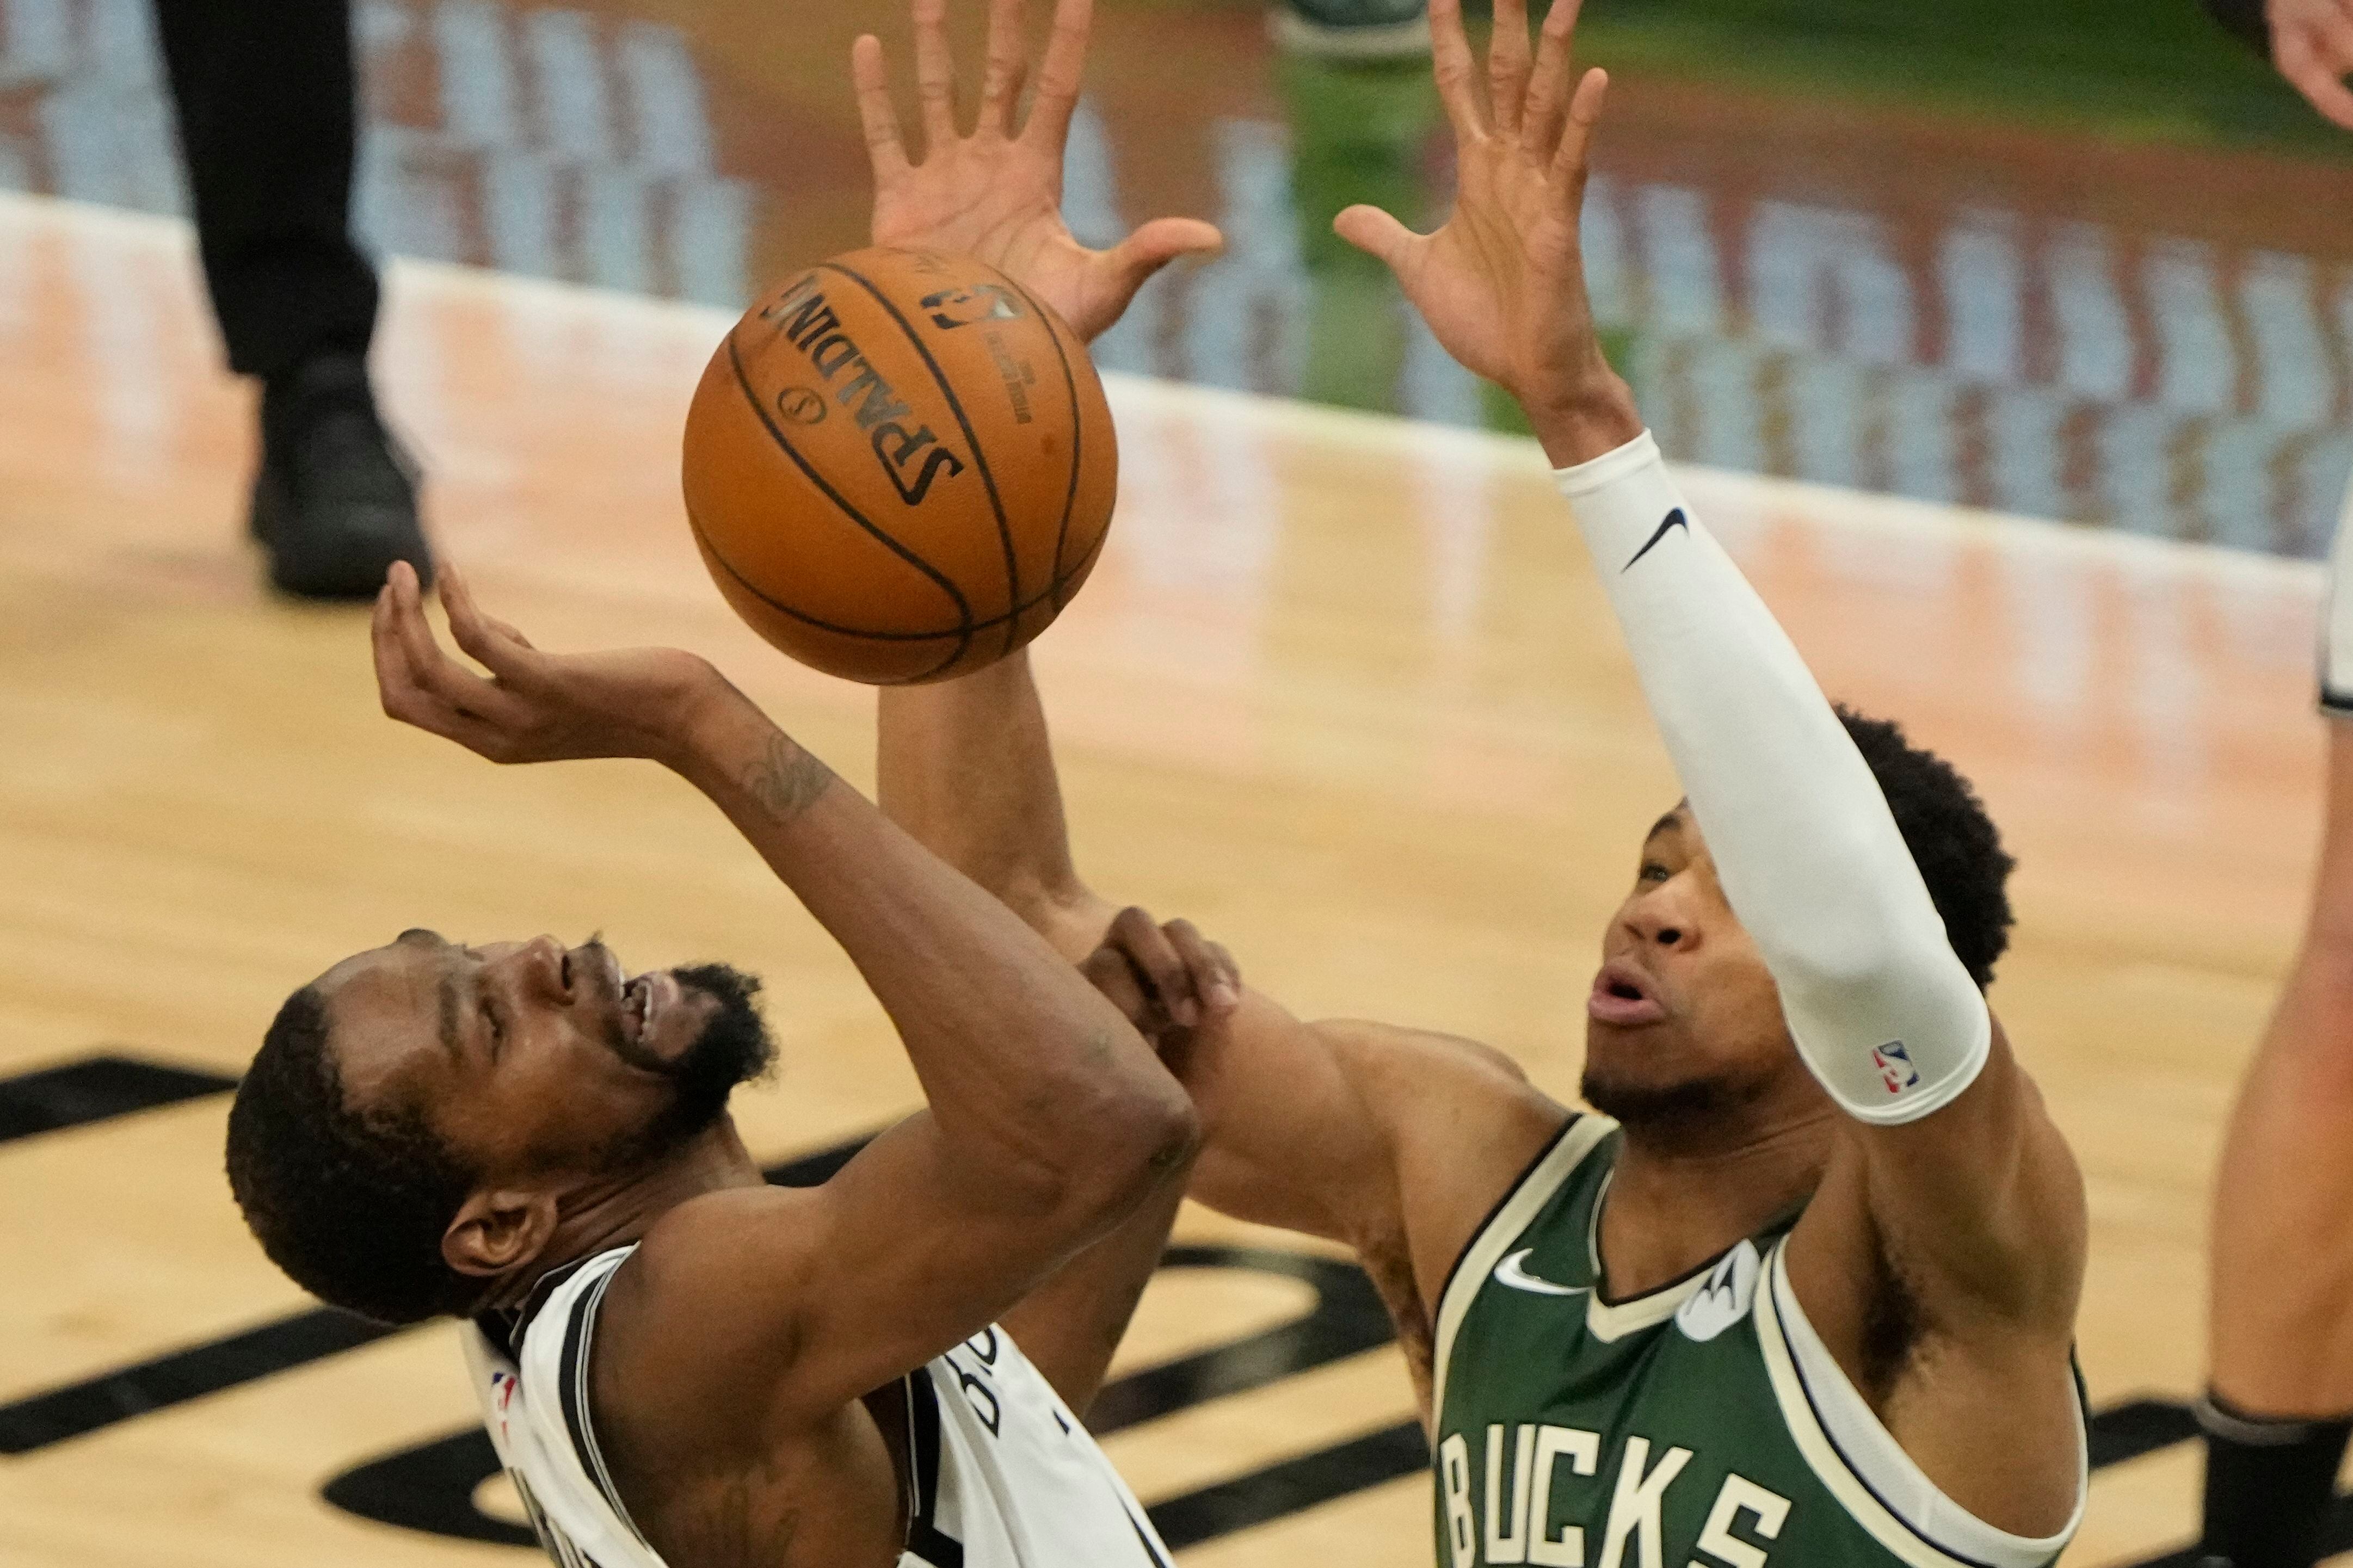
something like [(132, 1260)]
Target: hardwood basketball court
[(1342, 690)]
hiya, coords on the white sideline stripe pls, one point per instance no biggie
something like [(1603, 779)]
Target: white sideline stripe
[(1760, 495)]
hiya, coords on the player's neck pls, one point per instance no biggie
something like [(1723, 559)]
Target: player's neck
[(599, 1218), (1675, 1201)]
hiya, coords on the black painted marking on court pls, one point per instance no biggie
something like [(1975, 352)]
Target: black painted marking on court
[(1346, 1320), (94, 1403), (2139, 1427), (96, 1089), (97, 1403), (1292, 1486)]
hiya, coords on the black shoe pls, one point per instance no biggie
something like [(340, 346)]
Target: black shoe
[(334, 500), (1354, 29)]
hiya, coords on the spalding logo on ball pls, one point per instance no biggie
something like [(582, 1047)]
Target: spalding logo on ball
[(900, 465)]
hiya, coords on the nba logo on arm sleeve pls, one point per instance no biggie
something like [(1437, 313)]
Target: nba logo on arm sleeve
[(1895, 1068)]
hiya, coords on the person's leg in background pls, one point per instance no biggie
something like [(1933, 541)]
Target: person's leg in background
[(2279, 1405), (265, 91)]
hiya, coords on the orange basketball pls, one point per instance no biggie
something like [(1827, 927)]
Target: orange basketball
[(900, 465)]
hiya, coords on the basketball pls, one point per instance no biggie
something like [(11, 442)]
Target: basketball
[(900, 465)]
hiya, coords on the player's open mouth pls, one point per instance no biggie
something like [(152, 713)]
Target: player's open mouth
[(637, 1007), (1621, 994)]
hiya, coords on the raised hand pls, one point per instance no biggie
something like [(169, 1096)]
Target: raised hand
[(1501, 283), (2312, 44), (533, 707), (996, 193)]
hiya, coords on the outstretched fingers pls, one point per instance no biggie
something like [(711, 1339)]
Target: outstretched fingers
[(494, 645), (1568, 166), (934, 75), (1450, 65), (1060, 73), (870, 76), (421, 685), (1507, 65), (1000, 82), (1549, 87)]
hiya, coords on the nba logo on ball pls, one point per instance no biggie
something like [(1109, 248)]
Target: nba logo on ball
[(1895, 1068), (963, 307), (885, 493)]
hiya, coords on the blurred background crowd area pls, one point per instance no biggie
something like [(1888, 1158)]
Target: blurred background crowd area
[(2090, 261)]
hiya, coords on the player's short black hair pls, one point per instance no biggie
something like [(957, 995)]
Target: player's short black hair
[(350, 1203), (1952, 840)]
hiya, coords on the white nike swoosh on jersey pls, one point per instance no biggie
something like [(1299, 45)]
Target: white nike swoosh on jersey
[(1509, 1272)]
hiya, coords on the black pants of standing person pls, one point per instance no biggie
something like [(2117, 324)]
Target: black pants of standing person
[(266, 95)]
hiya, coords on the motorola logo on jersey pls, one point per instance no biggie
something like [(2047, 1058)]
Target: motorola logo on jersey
[(1724, 1299)]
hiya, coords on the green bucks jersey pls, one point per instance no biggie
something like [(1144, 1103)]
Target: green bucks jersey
[(1702, 1425)]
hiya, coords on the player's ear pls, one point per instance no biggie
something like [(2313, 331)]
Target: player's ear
[(498, 1229)]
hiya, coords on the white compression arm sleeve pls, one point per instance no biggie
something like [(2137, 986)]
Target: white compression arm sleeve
[(1810, 856)]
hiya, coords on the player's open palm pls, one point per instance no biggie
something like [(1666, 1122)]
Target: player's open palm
[(996, 193), (533, 707), (1501, 284)]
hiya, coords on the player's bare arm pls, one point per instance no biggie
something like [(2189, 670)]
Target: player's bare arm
[(1169, 981), (994, 191), (1394, 1141), (1315, 1117), (1963, 1203), (1050, 1120)]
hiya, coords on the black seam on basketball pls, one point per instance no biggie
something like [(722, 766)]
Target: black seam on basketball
[(948, 584), (782, 608), (963, 635), (1085, 564), (1078, 430), (955, 407)]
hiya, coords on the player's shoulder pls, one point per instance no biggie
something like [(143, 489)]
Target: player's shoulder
[(700, 1317), (708, 1241), (1417, 1072), (1463, 1126), (707, 1298)]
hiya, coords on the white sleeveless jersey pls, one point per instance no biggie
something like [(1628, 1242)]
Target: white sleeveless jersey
[(999, 1473)]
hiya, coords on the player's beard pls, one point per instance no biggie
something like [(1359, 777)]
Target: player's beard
[(735, 1047), (1672, 1112)]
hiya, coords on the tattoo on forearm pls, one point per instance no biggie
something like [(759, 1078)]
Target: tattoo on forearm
[(785, 779)]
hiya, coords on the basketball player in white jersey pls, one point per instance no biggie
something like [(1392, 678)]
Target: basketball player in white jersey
[(1806, 1295), (682, 1366)]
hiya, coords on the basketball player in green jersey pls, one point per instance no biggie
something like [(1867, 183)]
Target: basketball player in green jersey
[(1806, 1295)]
